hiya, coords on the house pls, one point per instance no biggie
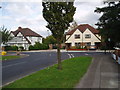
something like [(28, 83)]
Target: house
[(24, 37), (83, 35)]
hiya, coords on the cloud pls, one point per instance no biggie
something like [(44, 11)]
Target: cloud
[(85, 13), (19, 9), (29, 14)]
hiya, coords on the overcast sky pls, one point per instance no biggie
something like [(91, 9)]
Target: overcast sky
[(29, 15)]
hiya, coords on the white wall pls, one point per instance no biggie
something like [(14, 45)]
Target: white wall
[(72, 39), (93, 38), (34, 39)]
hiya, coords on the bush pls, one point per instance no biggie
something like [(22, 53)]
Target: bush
[(31, 47), (13, 48), (21, 47), (38, 46), (7, 48)]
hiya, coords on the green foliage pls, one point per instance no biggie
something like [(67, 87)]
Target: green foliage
[(50, 40), (5, 34), (11, 48), (109, 22), (21, 48), (31, 47), (58, 15), (53, 78), (10, 57), (38, 46)]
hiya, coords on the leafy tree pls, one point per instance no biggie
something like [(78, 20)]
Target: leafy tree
[(109, 22), (58, 15), (50, 40), (5, 34)]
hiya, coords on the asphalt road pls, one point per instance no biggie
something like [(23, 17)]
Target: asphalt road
[(18, 68)]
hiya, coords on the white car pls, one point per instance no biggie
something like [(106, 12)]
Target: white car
[(92, 47)]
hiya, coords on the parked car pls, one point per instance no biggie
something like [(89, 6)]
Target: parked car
[(116, 55), (92, 47)]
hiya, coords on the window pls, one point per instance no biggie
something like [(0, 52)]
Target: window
[(88, 44), (77, 36), (87, 35), (77, 44)]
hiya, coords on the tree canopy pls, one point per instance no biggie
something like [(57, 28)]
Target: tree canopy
[(50, 40), (109, 22), (5, 34), (58, 16)]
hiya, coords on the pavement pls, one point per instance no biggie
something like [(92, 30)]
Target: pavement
[(64, 50), (102, 73)]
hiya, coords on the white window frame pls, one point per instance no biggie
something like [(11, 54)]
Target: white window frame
[(87, 35)]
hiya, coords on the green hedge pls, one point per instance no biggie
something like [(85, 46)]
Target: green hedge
[(21, 48), (11, 48), (38, 46)]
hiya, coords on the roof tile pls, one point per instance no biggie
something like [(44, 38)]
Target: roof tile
[(82, 28)]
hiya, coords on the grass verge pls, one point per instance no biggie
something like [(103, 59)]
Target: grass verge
[(73, 71), (9, 57)]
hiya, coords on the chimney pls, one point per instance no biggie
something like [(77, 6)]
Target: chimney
[(19, 27)]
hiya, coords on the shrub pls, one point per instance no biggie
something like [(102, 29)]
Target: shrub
[(13, 48), (31, 47), (38, 46), (7, 48), (21, 47)]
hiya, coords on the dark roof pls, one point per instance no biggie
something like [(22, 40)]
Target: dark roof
[(26, 32), (82, 28)]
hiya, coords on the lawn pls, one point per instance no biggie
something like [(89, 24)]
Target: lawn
[(9, 57), (73, 70)]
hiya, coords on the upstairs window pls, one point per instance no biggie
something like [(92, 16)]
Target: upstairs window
[(77, 36), (87, 35)]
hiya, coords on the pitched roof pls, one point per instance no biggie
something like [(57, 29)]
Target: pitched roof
[(82, 28), (26, 32)]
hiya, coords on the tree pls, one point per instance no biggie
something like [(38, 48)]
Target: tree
[(58, 15), (5, 34), (109, 22), (50, 40)]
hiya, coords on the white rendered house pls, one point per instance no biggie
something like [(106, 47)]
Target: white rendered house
[(83, 35), (24, 37)]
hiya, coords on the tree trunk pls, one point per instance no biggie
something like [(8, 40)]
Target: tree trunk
[(59, 57)]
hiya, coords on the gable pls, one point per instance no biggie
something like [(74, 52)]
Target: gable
[(82, 28), (19, 34), (93, 36), (11, 34), (72, 37)]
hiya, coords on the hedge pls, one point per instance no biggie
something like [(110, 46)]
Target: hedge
[(11, 48), (38, 46)]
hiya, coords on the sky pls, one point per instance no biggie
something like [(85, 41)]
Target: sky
[(28, 14)]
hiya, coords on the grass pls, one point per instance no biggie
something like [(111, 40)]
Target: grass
[(73, 71), (9, 57)]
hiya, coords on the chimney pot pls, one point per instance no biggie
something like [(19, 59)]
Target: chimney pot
[(19, 27)]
